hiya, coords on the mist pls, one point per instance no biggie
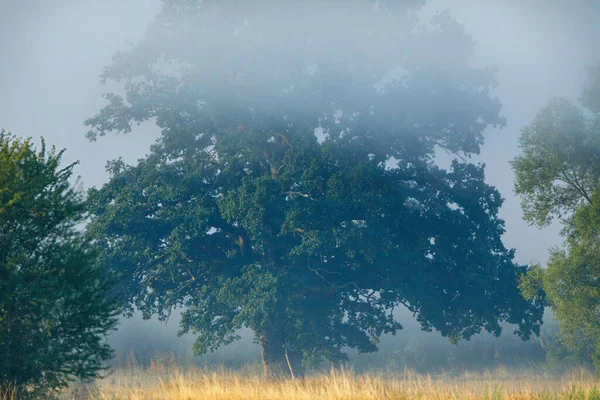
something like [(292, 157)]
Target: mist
[(53, 55)]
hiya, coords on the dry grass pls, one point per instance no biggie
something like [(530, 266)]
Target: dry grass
[(171, 382), (8, 394)]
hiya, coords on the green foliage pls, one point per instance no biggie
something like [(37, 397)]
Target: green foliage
[(563, 352), (558, 174), (243, 218), (571, 279), (53, 310), (558, 168), (532, 284)]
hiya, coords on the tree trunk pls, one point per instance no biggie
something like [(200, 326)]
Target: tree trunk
[(294, 360), (273, 356)]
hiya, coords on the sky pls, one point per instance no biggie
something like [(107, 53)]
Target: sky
[(52, 53)]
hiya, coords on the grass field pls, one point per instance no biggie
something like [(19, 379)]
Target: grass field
[(170, 382)]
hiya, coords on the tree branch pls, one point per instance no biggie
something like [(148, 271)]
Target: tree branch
[(574, 183), (333, 287), (292, 193)]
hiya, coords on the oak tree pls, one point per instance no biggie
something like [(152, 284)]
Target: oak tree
[(294, 188)]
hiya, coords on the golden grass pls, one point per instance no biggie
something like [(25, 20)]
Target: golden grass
[(8, 394), (172, 382)]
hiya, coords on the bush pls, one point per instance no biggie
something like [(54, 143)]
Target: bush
[(54, 313)]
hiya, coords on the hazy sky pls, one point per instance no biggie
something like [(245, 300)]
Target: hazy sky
[(52, 53)]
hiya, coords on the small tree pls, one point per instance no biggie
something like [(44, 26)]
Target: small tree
[(558, 176), (53, 309)]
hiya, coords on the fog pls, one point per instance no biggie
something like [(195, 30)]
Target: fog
[(53, 53)]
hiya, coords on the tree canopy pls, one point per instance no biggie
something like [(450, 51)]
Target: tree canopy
[(294, 188), (558, 174), (558, 168), (53, 310)]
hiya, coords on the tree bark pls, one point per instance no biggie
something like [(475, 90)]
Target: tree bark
[(294, 360), (273, 355)]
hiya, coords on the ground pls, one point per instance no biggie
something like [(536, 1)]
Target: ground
[(166, 381)]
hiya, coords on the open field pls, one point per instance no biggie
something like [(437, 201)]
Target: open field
[(172, 382), (169, 381)]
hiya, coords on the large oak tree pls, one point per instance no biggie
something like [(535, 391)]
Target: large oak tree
[(294, 188)]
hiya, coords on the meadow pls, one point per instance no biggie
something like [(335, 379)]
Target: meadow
[(168, 381)]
